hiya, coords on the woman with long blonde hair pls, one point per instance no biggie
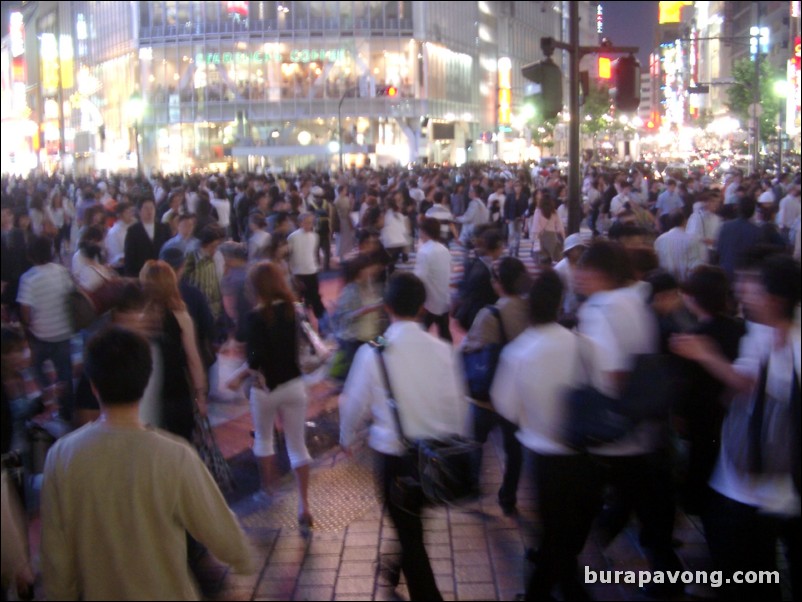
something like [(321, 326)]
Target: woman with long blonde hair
[(184, 382), (272, 351)]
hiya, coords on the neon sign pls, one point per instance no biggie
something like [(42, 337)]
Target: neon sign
[(303, 55)]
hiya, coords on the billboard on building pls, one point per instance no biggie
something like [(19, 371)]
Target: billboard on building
[(671, 12)]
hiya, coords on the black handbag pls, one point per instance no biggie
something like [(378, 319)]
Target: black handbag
[(480, 365), (81, 310), (440, 471), (204, 442)]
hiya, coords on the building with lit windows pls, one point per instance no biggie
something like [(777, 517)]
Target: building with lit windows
[(277, 85)]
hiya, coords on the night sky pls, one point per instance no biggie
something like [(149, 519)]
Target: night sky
[(631, 24)]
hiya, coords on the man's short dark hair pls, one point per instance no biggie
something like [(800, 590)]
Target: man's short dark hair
[(746, 207), (147, 199), (438, 197), (545, 297), (184, 217), (118, 364), (431, 227), (405, 295), (489, 238), (609, 258), (512, 276), (781, 277), (709, 287), (677, 219), (211, 233), (40, 250), (122, 208)]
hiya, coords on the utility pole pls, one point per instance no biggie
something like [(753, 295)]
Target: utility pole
[(756, 96), (574, 164)]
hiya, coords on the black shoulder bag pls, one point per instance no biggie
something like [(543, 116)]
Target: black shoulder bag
[(442, 467)]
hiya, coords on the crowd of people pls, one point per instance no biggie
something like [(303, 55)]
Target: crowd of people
[(173, 270)]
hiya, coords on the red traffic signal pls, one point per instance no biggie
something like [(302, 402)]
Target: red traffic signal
[(390, 91), (626, 83)]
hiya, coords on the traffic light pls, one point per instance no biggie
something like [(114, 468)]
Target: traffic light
[(626, 83), (549, 101), (390, 91), (605, 67)]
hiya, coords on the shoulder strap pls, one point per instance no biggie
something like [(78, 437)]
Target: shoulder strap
[(497, 313), (392, 399)]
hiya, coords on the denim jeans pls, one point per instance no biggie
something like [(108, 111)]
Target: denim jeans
[(59, 354), (514, 229)]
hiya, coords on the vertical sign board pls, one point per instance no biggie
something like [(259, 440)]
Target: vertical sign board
[(504, 91)]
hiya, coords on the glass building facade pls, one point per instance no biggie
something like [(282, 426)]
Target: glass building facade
[(277, 85)]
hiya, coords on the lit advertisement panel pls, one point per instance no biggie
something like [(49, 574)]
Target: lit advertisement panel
[(671, 12)]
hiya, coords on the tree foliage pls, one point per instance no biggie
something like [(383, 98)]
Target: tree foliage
[(597, 104), (741, 94)]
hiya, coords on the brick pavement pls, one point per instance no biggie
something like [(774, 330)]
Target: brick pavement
[(476, 552)]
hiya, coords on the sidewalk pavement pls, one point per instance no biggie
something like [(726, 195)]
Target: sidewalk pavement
[(476, 552)]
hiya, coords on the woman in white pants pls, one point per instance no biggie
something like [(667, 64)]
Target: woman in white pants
[(279, 389)]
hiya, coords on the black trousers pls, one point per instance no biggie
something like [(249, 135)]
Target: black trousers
[(443, 324), (414, 559), (484, 421), (310, 291), (741, 538), (642, 484), (569, 496)]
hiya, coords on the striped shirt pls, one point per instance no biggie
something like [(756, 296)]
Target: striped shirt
[(679, 252), (202, 272), (44, 288)]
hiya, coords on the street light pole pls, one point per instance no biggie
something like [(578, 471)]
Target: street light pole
[(340, 121)]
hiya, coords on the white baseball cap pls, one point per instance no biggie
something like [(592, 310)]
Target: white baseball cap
[(573, 241)]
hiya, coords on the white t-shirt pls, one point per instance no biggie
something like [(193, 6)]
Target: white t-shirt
[(223, 208), (303, 252), (394, 232)]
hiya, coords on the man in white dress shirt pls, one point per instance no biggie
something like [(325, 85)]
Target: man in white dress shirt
[(433, 267), (617, 319), (704, 223), (115, 238), (529, 388), (678, 251), (790, 208), (424, 377)]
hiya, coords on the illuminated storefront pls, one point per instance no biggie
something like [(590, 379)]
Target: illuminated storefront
[(277, 85), (20, 137)]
